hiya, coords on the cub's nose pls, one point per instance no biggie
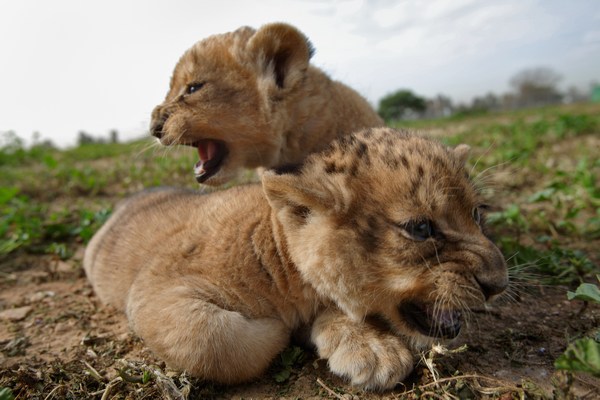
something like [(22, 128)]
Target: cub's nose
[(156, 128), (491, 288), (493, 276), (158, 122)]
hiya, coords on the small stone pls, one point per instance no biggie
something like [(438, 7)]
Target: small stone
[(16, 347), (91, 353), (64, 267), (123, 337), (37, 296), (79, 253), (62, 327), (15, 314)]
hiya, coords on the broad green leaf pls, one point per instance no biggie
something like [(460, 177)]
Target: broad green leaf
[(6, 394), (582, 355), (585, 292)]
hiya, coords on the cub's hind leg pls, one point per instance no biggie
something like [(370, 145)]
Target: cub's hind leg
[(192, 334)]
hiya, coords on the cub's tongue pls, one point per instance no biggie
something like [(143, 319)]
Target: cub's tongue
[(211, 154), (207, 150)]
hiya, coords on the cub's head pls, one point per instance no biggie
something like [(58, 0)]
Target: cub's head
[(222, 95), (388, 224)]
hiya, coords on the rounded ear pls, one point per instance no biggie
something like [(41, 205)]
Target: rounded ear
[(462, 152), (300, 195), (281, 53), (289, 190)]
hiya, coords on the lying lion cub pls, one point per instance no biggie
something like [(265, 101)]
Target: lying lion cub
[(375, 243), (250, 99)]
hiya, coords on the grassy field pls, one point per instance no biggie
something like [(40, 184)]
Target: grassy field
[(538, 169)]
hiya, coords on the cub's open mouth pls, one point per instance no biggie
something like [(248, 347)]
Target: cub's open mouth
[(440, 324), (212, 153)]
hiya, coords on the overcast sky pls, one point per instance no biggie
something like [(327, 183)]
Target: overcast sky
[(70, 65)]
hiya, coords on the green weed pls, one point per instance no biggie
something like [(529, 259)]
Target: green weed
[(557, 264), (575, 124), (6, 394), (290, 357), (586, 292), (29, 226), (84, 180), (511, 217), (20, 221), (583, 354), (568, 194)]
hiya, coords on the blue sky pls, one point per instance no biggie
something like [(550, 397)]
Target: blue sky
[(71, 65)]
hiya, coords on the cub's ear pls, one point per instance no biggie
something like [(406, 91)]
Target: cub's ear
[(301, 195), (462, 152), (281, 53), (288, 190)]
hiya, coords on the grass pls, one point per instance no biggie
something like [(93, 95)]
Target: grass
[(51, 201), (29, 226), (538, 170)]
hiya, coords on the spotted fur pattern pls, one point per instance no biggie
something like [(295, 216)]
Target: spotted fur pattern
[(375, 243)]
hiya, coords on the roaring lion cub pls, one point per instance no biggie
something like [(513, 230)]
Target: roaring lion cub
[(375, 243), (249, 98)]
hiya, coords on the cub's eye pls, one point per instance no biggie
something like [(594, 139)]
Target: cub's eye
[(419, 230), (194, 87), (477, 216)]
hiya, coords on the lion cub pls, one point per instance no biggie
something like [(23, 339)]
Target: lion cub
[(249, 98), (375, 243)]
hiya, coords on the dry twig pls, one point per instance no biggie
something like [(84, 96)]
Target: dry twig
[(328, 389)]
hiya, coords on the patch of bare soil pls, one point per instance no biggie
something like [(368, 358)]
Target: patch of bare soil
[(57, 342)]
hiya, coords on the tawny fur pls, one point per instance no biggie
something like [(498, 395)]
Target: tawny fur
[(216, 284), (259, 97)]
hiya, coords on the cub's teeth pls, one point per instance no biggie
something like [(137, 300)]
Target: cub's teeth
[(199, 169)]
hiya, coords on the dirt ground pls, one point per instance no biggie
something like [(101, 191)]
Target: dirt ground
[(57, 342)]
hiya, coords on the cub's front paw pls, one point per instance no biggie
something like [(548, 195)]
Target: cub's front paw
[(369, 358)]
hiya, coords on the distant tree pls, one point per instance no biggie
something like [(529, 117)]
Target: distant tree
[(10, 142), (489, 102), (12, 150), (508, 101), (537, 86), (35, 138), (575, 95), (84, 138), (439, 106), (401, 104), (46, 144), (114, 136)]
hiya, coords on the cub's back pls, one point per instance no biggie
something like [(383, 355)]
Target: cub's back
[(153, 220)]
